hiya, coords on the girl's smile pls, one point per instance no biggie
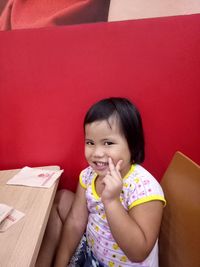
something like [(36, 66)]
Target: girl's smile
[(101, 164), (104, 139)]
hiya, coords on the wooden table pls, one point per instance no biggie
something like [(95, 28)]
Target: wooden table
[(19, 245)]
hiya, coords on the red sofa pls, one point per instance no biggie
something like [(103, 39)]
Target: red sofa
[(49, 77)]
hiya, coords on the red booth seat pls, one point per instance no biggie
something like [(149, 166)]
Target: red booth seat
[(49, 77)]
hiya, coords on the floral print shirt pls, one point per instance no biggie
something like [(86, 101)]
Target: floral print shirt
[(139, 186)]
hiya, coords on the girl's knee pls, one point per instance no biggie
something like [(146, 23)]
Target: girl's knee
[(63, 201)]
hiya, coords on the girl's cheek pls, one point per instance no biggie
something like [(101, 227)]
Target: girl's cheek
[(86, 154)]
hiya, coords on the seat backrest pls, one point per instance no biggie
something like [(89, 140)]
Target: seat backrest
[(179, 241)]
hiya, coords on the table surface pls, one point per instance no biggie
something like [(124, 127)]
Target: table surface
[(19, 245)]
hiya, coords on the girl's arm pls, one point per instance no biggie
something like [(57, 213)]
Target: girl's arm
[(137, 230), (73, 229)]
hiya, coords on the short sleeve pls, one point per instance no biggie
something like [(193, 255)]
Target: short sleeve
[(85, 177), (144, 188)]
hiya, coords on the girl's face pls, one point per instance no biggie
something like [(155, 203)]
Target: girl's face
[(103, 139)]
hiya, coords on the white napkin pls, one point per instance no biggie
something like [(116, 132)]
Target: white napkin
[(12, 217), (35, 177), (5, 210)]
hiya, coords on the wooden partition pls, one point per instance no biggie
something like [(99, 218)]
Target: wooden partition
[(180, 231)]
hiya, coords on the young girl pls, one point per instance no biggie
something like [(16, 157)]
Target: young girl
[(118, 203)]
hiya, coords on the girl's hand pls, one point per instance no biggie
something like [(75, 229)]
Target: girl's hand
[(113, 182)]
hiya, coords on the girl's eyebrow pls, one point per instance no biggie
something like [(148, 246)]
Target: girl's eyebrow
[(108, 138)]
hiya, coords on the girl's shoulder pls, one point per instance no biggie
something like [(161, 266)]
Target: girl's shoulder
[(137, 173), (86, 176), (140, 186), (140, 179)]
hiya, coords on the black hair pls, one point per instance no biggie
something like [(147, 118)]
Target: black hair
[(129, 119)]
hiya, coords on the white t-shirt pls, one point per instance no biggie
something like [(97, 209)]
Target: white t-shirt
[(139, 186)]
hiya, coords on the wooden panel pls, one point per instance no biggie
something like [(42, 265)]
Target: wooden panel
[(180, 230)]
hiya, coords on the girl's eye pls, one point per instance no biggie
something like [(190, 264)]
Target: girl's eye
[(108, 143), (89, 143)]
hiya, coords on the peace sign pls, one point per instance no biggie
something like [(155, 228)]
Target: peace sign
[(112, 181)]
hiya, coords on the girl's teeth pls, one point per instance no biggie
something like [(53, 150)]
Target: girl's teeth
[(100, 163)]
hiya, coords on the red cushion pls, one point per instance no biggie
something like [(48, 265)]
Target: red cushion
[(49, 77)]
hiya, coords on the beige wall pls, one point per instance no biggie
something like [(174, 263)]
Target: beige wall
[(135, 9)]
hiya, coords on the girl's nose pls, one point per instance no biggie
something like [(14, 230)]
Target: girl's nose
[(98, 152)]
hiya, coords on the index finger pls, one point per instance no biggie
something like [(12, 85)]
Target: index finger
[(111, 164)]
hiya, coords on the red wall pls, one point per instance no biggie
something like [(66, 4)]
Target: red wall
[(49, 77)]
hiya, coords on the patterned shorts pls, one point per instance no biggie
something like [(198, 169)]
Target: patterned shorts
[(84, 257)]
